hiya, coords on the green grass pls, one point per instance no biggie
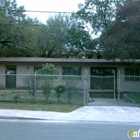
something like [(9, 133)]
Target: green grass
[(39, 107), (24, 101), (135, 96), (77, 98)]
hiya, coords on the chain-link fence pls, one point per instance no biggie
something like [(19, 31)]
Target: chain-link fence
[(128, 90), (103, 87), (42, 88), (86, 89), (55, 88)]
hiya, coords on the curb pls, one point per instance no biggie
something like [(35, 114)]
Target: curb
[(20, 118), (61, 120)]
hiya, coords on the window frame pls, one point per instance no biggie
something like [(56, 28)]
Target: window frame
[(72, 71), (132, 74), (37, 68)]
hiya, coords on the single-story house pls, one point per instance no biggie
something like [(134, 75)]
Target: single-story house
[(73, 66)]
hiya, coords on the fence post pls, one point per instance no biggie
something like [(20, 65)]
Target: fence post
[(114, 88), (119, 82), (35, 86), (85, 87)]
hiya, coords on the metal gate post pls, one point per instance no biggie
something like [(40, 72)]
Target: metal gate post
[(85, 87), (114, 88), (119, 81), (35, 86)]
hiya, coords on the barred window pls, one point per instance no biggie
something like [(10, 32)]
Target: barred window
[(72, 71), (132, 74), (102, 71)]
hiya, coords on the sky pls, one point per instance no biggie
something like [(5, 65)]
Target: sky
[(48, 5)]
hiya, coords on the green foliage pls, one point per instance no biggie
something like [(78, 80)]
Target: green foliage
[(70, 37), (52, 36), (16, 98), (26, 98), (48, 69), (135, 97), (29, 84), (60, 89), (46, 79), (114, 25), (40, 107), (121, 40), (70, 85), (17, 37), (98, 13), (47, 86), (79, 39), (3, 94)]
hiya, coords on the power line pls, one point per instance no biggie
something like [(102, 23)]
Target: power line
[(35, 11), (48, 11)]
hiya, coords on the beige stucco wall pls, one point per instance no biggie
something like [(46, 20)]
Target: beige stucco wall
[(126, 85), (79, 83), (23, 69)]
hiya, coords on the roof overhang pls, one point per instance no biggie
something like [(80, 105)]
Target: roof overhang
[(11, 60)]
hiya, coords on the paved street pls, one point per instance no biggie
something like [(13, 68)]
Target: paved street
[(44, 130), (85, 123)]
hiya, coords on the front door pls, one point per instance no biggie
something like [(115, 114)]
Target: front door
[(10, 77)]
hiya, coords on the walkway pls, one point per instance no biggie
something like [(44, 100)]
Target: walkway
[(86, 113)]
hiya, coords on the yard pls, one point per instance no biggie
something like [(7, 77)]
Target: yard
[(135, 97), (25, 101), (39, 107)]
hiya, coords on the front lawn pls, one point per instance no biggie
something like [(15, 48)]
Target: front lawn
[(39, 107), (76, 98), (135, 97), (13, 100)]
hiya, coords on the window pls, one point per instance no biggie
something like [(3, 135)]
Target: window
[(37, 68), (72, 71), (103, 71), (132, 74)]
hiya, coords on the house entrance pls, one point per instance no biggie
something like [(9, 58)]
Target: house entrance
[(10, 77), (103, 83)]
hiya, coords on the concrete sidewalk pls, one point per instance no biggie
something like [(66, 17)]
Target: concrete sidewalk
[(86, 113)]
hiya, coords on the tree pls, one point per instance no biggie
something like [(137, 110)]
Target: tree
[(79, 39), (17, 36), (63, 37), (122, 39), (98, 13), (98, 16), (52, 36)]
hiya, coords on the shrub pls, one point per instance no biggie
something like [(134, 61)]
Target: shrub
[(16, 98), (29, 82), (60, 89), (70, 83), (47, 76)]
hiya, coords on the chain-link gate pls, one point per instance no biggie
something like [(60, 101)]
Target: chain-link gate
[(128, 90), (100, 90)]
